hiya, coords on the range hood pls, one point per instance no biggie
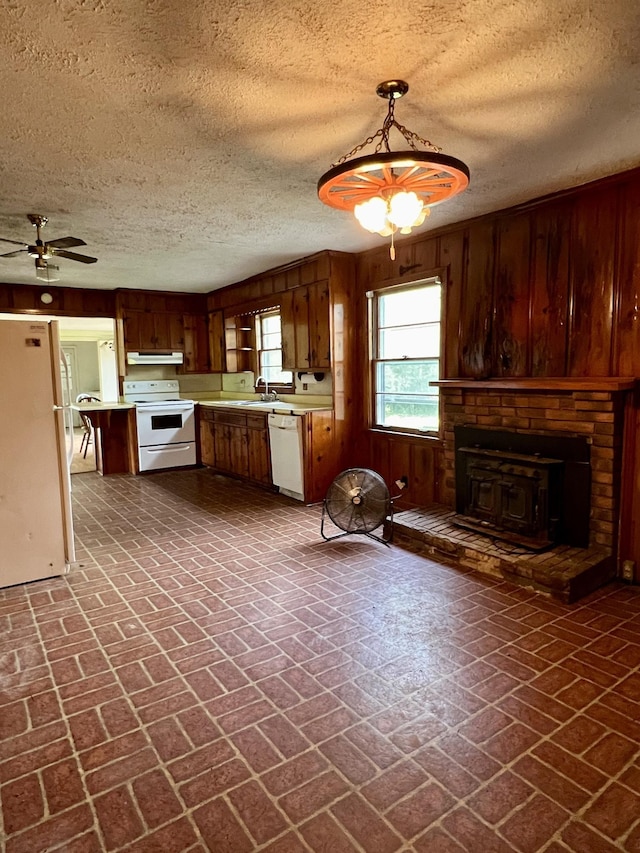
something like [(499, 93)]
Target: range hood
[(155, 357)]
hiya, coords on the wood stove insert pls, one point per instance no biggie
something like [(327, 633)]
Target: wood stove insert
[(529, 489)]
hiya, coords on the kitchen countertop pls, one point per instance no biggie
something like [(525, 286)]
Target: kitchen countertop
[(278, 407), (100, 407)]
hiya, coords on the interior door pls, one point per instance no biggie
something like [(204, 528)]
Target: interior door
[(72, 363)]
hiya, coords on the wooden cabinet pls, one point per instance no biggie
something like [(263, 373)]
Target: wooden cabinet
[(240, 343), (306, 337), (207, 437), (259, 456), (172, 332), (148, 330), (236, 443), (196, 344), (215, 327)]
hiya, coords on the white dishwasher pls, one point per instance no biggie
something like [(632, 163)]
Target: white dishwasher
[(285, 441)]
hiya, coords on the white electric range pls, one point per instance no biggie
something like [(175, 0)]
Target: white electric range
[(165, 422)]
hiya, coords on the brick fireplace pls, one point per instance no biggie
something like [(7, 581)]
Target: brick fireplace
[(550, 410)]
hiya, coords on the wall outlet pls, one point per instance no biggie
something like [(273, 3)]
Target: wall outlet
[(628, 571)]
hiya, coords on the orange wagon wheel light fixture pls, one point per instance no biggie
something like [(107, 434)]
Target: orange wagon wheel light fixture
[(390, 191)]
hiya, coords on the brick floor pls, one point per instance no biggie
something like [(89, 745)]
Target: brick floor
[(214, 676)]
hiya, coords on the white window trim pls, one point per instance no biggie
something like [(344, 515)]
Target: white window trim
[(433, 279)]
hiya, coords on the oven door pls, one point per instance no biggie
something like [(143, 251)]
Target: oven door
[(165, 423)]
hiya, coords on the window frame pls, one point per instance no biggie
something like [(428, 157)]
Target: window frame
[(278, 387), (436, 277)]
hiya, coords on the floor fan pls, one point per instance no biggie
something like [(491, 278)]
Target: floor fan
[(358, 501)]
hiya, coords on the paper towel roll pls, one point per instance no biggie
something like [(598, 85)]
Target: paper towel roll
[(310, 378)]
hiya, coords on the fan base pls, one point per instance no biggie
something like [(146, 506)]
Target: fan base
[(388, 522)]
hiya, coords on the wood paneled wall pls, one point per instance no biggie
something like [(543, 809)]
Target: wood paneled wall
[(549, 288), (67, 301)]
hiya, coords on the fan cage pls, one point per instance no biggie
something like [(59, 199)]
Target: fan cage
[(358, 502)]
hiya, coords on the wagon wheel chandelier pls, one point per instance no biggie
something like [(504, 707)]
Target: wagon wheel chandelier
[(390, 191)]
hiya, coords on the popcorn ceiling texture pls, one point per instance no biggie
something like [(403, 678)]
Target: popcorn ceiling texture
[(184, 141)]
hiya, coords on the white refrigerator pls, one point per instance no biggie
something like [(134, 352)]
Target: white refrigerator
[(36, 443)]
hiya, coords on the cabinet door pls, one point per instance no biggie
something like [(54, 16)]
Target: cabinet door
[(258, 450), (155, 331), (196, 356), (288, 326), (207, 443), (132, 322), (239, 451), (216, 341), (319, 325), (301, 321), (175, 329), (222, 448)]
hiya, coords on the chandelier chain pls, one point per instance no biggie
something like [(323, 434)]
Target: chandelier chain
[(383, 134)]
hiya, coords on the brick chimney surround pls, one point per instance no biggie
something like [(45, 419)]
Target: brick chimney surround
[(565, 406)]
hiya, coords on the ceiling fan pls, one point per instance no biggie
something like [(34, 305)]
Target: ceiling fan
[(42, 251)]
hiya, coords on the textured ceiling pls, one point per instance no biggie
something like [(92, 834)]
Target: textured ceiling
[(183, 140)]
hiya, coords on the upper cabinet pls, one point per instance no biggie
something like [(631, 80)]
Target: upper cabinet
[(196, 344), (306, 332), (148, 330), (155, 322), (215, 328)]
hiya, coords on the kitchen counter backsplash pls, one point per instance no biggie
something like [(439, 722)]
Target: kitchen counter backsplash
[(294, 399)]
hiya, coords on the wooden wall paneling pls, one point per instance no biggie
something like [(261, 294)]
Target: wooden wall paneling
[(394, 456), (346, 307), (291, 279), (629, 526), (271, 284), (322, 454), (423, 256), (323, 263), (512, 296), (67, 301), (476, 306), (550, 289), (627, 308), (593, 252), (452, 258), (424, 478), (379, 457), (376, 266)]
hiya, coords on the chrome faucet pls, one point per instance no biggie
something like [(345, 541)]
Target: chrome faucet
[(266, 397)]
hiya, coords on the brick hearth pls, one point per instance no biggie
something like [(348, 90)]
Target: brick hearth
[(565, 573), (592, 408)]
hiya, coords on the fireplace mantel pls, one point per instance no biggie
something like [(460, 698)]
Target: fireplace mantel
[(542, 383)]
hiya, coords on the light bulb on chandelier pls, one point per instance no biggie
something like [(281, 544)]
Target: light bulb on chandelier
[(392, 191)]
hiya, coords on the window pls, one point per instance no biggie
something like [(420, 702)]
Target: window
[(269, 341), (406, 356)]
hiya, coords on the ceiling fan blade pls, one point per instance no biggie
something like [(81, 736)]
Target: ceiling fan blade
[(13, 254), (72, 256), (15, 242), (65, 242)]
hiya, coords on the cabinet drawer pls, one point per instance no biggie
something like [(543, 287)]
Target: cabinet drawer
[(256, 421), (206, 414), (230, 418)]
